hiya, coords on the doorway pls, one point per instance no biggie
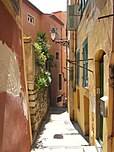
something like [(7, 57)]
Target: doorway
[(99, 71), (86, 115), (101, 95)]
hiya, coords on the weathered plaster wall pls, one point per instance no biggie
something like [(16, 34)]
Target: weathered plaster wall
[(14, 130), (99, 34), (71, 56)]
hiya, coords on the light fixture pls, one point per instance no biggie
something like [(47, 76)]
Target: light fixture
[(53, 34), (63, 42)]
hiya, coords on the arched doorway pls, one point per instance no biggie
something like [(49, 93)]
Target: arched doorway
[(99, 78)]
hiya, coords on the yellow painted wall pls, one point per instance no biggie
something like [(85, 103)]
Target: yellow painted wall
[(80, 113), (75, 107), (99, 34)]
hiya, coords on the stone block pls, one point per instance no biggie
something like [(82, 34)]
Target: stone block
[(35, 126), (33, 110), (31, 86), (31, 92), (35, 119), (32, 104), (33, 96)]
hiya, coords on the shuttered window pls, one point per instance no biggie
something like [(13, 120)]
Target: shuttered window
[(16, 6), (77, 66), (85, 63), (72, 18)]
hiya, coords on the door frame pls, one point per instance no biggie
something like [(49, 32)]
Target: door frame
[(98, 60)]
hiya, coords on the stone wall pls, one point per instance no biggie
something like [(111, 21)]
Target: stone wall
[(38, 100)]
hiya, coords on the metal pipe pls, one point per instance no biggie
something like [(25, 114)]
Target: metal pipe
[(80, 66), (79, 60), (106, 16)]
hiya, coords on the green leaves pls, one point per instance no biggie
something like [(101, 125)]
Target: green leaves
[(41, 47), (43, 43), (42, 82)]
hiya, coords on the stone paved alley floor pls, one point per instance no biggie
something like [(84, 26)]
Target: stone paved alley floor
[(58, 134)]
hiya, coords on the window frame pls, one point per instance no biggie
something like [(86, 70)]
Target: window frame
[(30, 17), (85, 64)]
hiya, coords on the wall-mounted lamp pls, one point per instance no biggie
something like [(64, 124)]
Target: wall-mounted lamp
[(53, 34), (63, 42)]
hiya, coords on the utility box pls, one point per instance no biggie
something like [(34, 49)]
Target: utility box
[(104, 106)]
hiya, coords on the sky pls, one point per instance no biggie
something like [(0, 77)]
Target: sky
[(49, 6)]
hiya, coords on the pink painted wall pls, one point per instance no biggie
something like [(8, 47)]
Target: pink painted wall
[(28, 28), (14, 127), (44, 23)]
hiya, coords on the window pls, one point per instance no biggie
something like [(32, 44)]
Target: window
[(77, 66), (30, 19), (81, 6), (57, 55), (60, 81), (59, 99), (85, 63)]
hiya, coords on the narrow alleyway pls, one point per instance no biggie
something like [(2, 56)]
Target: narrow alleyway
[(58, 134)]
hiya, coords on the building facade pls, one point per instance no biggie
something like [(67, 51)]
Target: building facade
[(91, 102), (14, 116), (35, 21)]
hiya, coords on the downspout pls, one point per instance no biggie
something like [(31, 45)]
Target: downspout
[(111, 90), (62, 65), (61, 49)]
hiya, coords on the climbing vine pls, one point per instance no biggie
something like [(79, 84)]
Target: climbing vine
[(42, 57)]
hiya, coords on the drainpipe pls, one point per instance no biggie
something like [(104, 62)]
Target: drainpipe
[(61, 49), (62, 63), (111, 91)]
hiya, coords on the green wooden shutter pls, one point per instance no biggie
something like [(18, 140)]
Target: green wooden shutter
[(85, 63), (101, 95), (77, 67)]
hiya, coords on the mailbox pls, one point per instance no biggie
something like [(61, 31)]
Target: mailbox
[(104, 106)]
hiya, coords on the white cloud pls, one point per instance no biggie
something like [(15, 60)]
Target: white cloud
[(49, 6)]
